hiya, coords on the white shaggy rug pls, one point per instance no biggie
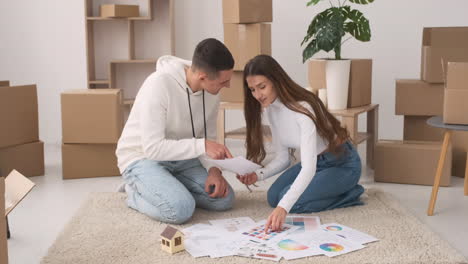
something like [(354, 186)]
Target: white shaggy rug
[(105, 230)]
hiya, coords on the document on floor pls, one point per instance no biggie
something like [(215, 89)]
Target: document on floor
[(238, 165), (349, 233), (260, 250), (326, 243), (233, 224), (257, 232), (305, 223)]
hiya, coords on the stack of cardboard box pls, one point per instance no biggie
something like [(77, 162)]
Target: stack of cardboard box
[(92, 121), (418, 100), (20, 147), (246, 35)]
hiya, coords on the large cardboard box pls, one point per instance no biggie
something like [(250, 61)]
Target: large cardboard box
[(18, 115), (247, 11), (360, 80), (4, 83), (439, 46), (92, 116), (89, 160), (28, 159), (410, 162), (416, 128), (234, 93), (12, 191), (246, 41), (113, 10), (418, 98), (456, 94)]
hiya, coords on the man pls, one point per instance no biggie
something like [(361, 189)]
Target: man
[(165, 140)]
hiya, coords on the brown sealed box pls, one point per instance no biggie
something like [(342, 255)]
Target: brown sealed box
[(4, 83), (360, 80), (416, 128), (418, 98), (445, 37), (18, 115), (27, 158), (247, 11), (92, 116), (410, 162), (112, 10), (456, 94), (246, 41), (89, 160), (234, 93)]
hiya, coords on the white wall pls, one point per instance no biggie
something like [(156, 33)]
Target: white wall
[(43, 42)]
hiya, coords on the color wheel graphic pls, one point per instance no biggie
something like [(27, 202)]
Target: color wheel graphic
[(334, 228), (289, 244), (331, 247)]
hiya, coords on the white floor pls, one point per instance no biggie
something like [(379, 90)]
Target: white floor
[(38, 219)]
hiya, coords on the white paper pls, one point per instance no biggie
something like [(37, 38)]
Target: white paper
[(238, 165), (349, 233), (326, 243), (291, 248), (257, 233), (259, 250), (306, 223), (233, 224)]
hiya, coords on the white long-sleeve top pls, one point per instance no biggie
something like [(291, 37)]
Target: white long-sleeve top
[(159, 126), (292, 130)]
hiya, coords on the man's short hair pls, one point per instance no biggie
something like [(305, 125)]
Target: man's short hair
[(212, 56)]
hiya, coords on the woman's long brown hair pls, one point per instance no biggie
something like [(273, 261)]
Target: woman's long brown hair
[(290, 94)]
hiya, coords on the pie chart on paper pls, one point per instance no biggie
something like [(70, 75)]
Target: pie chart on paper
[(331, 247), (291, 245)]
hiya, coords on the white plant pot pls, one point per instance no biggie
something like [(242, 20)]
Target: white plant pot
[(337, 78)]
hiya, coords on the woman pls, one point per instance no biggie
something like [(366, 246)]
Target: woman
[(328, 174)]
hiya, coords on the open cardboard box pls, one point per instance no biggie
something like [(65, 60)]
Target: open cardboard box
[(12, 191)]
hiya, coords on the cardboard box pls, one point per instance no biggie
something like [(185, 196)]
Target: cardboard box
[(247, 11), (4, 83), (234, 93), (12, 191), (434, 58), (18, 115), (418, 98), (246, 41), (445, 37), (460, 149), (410, 162), (89, 160), (416, 128), (456, 94), (112, 10), (360, 80), (92, 116), (28, 159)]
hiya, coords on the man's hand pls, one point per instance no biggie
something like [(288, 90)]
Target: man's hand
[(250, 178), (220, 185), (276, 219), (216, 151)]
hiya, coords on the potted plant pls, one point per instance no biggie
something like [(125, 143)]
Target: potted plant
[(326, 32)]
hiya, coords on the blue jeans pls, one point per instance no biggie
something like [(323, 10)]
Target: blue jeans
[(334, 185), (169, 191)]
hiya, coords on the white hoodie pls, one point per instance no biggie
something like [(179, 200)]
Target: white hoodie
[(159, 126)]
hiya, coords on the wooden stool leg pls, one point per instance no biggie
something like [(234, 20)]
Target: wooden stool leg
[(466, 176), (440, 166)]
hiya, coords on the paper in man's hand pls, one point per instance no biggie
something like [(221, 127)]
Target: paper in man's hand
[(238, 165)]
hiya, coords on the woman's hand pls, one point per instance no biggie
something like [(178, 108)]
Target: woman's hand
[(248, 179), (276, 219)]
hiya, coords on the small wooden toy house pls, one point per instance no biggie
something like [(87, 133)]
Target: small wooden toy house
[(172, 240)]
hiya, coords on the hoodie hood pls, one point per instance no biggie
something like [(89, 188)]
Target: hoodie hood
[(175, 67)]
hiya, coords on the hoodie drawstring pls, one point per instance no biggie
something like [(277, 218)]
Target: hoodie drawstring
[(191, 117)]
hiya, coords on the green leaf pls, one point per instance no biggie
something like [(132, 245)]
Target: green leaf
[(310, 50), (361, 2), (358, 27), (313, 2)]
